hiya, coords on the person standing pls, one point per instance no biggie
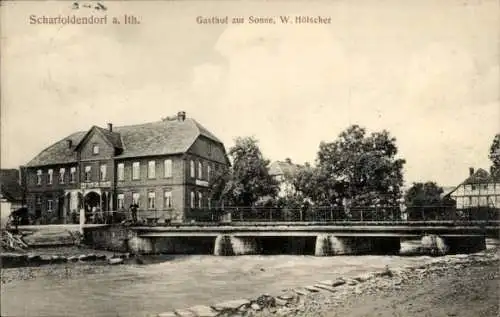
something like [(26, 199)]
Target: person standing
[(133, 209)]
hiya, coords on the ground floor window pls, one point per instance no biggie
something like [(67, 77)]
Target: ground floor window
[(50, 205), (192, 200), (167, 199), (121, 201), (200, 200), (135, 198), (151, 200)]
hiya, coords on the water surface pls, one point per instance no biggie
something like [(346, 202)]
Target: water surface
[(142, 290)]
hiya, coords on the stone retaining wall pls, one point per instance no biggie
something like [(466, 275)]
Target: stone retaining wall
[(12, 260)]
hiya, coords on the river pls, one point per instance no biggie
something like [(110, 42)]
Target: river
[(180, 282)]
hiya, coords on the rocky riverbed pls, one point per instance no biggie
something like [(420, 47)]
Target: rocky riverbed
[(460, 285)]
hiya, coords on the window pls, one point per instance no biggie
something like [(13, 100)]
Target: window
[(39, 200), (192, 169), (50, 205), (95, 149), (200, 170), (103, 172), (135, 198), (50, 176), (88, 173), (209, 171), (39, 177), (473, 187), (121, 201), (136, 170), (168, 168), (62, 171), (200, 200), (151, 200), (209, 201), (192, 200), (167, 203), (72, 175), (151, 169), (209, 149), (121, 172)]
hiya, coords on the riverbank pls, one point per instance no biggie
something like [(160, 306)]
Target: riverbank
[(462, 286)]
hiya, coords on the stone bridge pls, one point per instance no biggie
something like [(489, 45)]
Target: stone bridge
[(320, 239)]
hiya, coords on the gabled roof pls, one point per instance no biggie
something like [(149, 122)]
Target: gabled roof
[(481, 176), (149, 139), (287, 169), (113, 138)]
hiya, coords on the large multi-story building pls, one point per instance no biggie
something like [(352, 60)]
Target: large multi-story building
[(164, 167)]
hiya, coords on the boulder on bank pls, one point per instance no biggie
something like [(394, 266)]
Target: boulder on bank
[(231, 306), (115, 261)]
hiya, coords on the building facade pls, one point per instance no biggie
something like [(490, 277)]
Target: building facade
[(11, 192), (480, 189), (164, 167)]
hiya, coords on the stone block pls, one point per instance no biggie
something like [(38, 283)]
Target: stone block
[(312, 289), (203, 311), (325, 287), (184, 313), (114, 261), (288, 296), (301, 291), (73, 258), (281, 302), (167, 314), (231, 305)]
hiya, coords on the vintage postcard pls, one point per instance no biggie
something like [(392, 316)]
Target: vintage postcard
[(250, 158)]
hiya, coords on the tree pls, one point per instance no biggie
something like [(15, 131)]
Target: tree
[(495, 154), (359, 170), (249, 179), (423, 201)]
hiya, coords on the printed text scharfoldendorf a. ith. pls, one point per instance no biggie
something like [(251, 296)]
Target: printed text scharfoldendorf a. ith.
[(67, 19)]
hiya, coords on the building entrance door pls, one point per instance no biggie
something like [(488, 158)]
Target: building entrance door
[(92, 200)]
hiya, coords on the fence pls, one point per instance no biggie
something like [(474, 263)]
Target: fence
[(336, 214), (311, 214)]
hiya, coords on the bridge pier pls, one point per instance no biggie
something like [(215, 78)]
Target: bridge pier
[(323, 245), (227, 245), (438, 245)]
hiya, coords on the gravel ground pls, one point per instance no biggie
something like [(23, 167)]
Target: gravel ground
[(468, 287)]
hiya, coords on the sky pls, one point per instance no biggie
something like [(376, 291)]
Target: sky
[(426, 71)]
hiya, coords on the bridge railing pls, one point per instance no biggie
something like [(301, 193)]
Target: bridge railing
[(335, 214)]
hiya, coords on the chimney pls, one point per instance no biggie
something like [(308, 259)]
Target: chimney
[(110, 127), (181, 115), (471, 171), (69, 143)]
